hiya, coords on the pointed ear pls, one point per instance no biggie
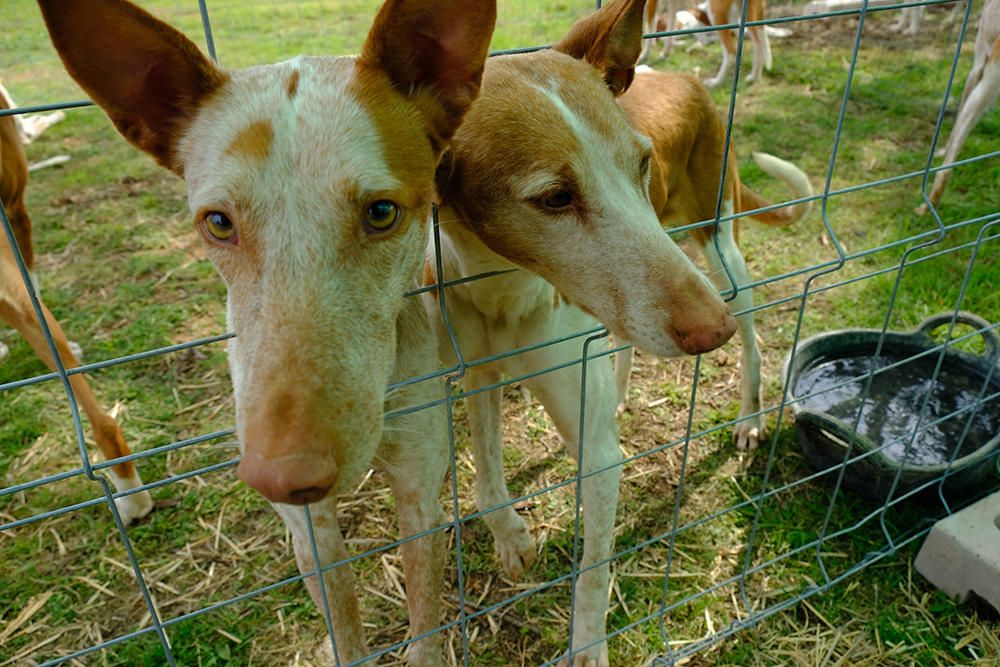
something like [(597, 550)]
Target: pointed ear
[(148, 77), (434, 52), (610, 39)]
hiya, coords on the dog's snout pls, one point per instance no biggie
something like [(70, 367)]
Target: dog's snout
[(704, 337), (308, 495), (297, 479)]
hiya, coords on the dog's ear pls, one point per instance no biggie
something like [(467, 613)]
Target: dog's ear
[(147, 76), (434, 52), (610, 39), (444, 176)]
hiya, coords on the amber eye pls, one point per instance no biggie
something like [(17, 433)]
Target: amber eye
[(559, 199), (382, 215), (219, 227)]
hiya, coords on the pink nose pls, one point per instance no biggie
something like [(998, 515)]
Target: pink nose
[(704, 337), (294, 479)]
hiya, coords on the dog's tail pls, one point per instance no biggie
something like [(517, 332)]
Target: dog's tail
[(796, 180)]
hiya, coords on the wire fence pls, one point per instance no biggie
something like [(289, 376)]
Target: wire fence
[(760, 553)]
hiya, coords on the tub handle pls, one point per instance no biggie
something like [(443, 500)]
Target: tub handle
[(986, 330)]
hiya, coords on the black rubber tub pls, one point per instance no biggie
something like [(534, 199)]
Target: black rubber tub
[(914, 428)]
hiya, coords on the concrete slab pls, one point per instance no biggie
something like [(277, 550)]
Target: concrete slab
[(961, 554)]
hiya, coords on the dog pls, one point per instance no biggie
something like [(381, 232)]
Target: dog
[(311, 183), (17, 310), (982, 87), (688, 135), (29, 127), (547, 175), (660, 16), (909, 20), (723, 12)]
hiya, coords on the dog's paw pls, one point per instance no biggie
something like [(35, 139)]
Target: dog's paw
[(425, 653), (595, 656), (77, 351), (4, 351), (748, 433), (921, 210), (516, 552), (134, 506)]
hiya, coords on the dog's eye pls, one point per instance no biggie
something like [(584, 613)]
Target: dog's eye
[(558, 200), (219, 227), (644, 166), (382, 215)]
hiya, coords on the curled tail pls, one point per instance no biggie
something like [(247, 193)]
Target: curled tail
[(796, 180)]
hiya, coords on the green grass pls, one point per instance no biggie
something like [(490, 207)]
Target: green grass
[(122, 269)]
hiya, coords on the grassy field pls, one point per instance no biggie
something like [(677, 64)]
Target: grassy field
[(124, 272)]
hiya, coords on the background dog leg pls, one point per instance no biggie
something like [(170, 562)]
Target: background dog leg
[(748, 432), (18, 311), (513, 541), (560, 393)]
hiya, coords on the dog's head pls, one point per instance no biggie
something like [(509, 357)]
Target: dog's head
[(311, 182), (549, 173)]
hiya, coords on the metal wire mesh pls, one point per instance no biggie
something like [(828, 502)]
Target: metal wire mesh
[(750, 602)]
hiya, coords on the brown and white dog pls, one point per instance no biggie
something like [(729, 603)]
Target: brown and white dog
[(982, 88), (548, 175), (311, 182), (688, 137), (724, 12), (17, 310), (29, 127), (659, 16)]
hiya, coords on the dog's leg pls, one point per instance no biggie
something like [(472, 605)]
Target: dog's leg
[(975, 105), (16, 310), (560, 393), (419, 460), (338, 582), (908, 22), (971, 81), (513, 541), (648, 26), (623, 370), (728, 54), (33, 125), (750, 429), (759, 54)]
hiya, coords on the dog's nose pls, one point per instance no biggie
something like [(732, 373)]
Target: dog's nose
[(704, 337), (295, 479)]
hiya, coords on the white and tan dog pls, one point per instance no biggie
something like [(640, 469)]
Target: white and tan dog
[(724, 12), (688, 137), (982, 88), (546, 174), (660, 16), (17, 310), (311, 182), (29, 126)]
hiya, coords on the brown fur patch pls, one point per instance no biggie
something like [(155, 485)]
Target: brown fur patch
[(253, 141), (429, 277), (292, 87), (407, 148)]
